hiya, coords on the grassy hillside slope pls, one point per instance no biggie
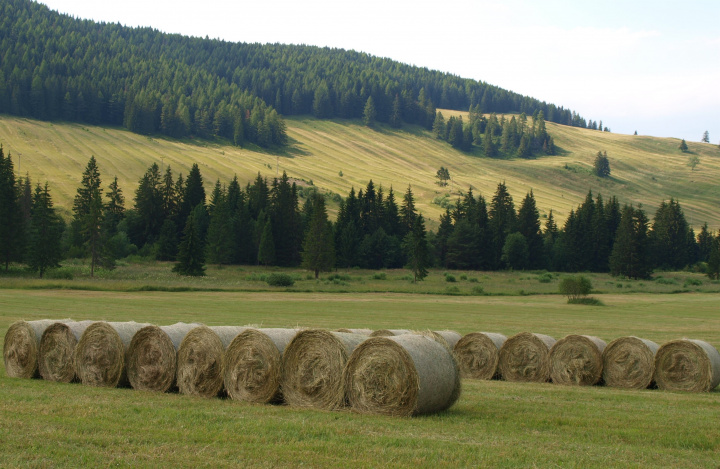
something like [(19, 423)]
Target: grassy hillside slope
[(644, 169)]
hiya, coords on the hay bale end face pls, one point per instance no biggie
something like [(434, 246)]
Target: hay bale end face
[(199, 359), (478, 354), (152, 356), (101, 353), (577, 360), (687, 365), (252, 364), (22, 345), (57, 349), (526, 357), (401, 376), (312, 368), (629, 362)]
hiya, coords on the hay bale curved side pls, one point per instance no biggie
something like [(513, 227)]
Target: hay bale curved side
[(356, 331), (152, 356), (312, 368), (451, 337), (57, 349), (101, 353), (526, 357), (199, 359), (687, 365), (577, 360), (629, 362), (22, 345), (389, 332), (478, 353), (252, 364), (401, 376)]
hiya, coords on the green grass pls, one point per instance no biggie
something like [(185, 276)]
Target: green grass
[(644, 169), (493, 424)]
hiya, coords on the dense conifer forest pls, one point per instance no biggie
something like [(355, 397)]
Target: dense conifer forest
[(55, 67)]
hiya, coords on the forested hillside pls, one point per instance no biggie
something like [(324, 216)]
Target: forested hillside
[(55, 67)]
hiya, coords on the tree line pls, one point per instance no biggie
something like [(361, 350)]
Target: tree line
[(172, 219), (58, 67)]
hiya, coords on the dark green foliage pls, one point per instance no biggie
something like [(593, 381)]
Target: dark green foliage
[(46, 229), (575, 287), (631, 254), (416, 249), (369, 112), (318, 253), (280, 280), (515, 252), (672, 241), (602, 165), (503, 221), (713, 263), (88, 215), (706, 137), (219, 242), (443, 176), (683, 146), (705, 241), (266, 248), (191, 258), (10, 214), (529, 226), (148, 207), (286, 221)]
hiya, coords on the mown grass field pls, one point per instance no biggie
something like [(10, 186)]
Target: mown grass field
[(494, 423), (644, 169)]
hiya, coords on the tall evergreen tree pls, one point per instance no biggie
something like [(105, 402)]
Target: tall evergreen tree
[(114, 207), (46, 229), (286, 222), (529, 226), (193, 196), (630, 256), (10, 215), (88, 215), (191, 258), (503, 221), (671, 239), (369, 113), (416, 249), (704, 242), (266, 249), (149, 206), (318, 253), (219, 242)]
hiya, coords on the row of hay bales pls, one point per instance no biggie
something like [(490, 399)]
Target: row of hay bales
[(392, 372), (626, 362)]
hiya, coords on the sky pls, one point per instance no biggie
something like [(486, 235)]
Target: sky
[(651, 66)]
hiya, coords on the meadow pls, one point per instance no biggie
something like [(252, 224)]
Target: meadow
[(494, 423)]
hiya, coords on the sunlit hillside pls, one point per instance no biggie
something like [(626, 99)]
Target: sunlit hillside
[(339, 154)]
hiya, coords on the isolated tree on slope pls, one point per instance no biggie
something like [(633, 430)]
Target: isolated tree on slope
[(602, 165), (706, 137)]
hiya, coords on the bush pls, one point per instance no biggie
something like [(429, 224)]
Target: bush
[(575, 287), (280, 280), (450, 278), (379, 276), (59, 274), (453, 290), (473, 280), (545, 278), (692, 282), (586, 301), (478, 290)]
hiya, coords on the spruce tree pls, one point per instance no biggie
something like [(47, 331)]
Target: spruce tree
[(439, 127), (704, 242), (529, 227), (191, 258), (396, 113), (10, 215), (602, 165), (318, 253), (502, 221), (713, 264), (369, 113), (683, 146), (266, 249), (416, 249), (630, 256), (219, 241), (114, 207), (46, 229), (88, 215)]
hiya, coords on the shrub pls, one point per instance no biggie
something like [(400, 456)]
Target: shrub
[(586, 301), (473, 280), (453, 290), (478, 290), (450, 278), (692, 282), (280, 280), (545, 278), (575, 287), (379, 276)]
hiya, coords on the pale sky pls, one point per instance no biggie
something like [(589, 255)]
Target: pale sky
[(646, 65)]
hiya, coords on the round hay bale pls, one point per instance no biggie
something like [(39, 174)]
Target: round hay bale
[(478, 353), (389, 332), (21, 347), (629, 362), (526, 357), (199, 359), (101, 353), (451, 338), (577, 360), (356, 331), (57, 349), (401, 376), (312, 368), (252, 365), (152, 356), (687, 365)]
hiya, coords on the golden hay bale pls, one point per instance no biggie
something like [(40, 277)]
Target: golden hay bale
[(389, 332), (526, 357), (401, 376), (199, 359), (57, 349), (687, 365), (451, 337), (577, 359), (252, 364), (312, 368), (101, 353), (356, 331), (21, 347), (629, 362), (478, 353), (152, 356)]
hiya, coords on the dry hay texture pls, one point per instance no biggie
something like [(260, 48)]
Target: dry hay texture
[(57, 349), (401, 376), (478, 353), (389, 332), (252, 365), (152, 356), (356, 331), (312, 368), (577, 360), (199, 359), (451, 338), (629, 362), (526, 357), (101, 353), (687, 365), (22, 346)]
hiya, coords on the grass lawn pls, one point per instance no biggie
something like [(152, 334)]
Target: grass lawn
[(493, 424)]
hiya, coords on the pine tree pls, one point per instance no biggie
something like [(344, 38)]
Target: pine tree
[(408, 213), (529, 227), (10, 215), (318, 253), (704, 242), (114, 207), (149, 205), (706, 137), (369, 113), (602, 165), (88, 215), (713, 264), (502, 221), (439, 127), (219, 242), (515, 252), (630, 256), (683, 146), (416, 249), (46, 229), (266, 249), (670, 237), (191, 259), (396, 113)]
